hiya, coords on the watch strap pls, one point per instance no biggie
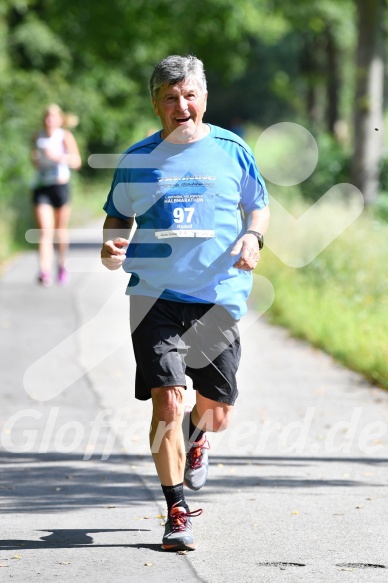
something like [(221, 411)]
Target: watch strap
[(259, 237)]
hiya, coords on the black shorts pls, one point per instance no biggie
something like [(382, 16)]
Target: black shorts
[(173, 339), (55, 195)]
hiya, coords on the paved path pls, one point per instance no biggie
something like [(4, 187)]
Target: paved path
[(298, 487)]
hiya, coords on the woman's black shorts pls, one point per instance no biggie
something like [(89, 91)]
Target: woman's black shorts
[(173, 339), (55, 195)]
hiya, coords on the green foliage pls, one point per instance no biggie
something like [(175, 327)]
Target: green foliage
[(380, 208), (33, 45), (333, 167)]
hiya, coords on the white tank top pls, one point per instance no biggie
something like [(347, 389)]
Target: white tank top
[(50, 172)]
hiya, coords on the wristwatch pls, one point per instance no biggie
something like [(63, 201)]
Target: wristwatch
[(259, 236)]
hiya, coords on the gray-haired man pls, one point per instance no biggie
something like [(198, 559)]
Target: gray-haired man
[(201, 210)]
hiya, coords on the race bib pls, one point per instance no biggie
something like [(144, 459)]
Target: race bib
[(189, 208)]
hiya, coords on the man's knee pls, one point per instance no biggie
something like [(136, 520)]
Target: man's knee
[(215, 418), (222, 418), (168, 403)]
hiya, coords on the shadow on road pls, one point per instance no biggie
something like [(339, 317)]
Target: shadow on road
[(56, 482), (73, 538), (60, 482)]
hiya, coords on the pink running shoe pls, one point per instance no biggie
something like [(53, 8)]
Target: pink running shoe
[(44, 279), (63, 276)]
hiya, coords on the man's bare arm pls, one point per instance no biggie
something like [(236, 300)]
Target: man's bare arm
[(247, 246), (258, 220), (116, 239)]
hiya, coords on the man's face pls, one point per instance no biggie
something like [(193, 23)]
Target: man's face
[(181, 108)]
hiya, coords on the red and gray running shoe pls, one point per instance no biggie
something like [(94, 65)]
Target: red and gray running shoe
[(197, 464), (178, 533), (197, 459)]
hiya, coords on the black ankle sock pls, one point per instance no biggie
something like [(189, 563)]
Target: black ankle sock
[(174, 494), (194, 431)]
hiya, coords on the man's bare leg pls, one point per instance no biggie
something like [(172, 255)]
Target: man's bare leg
[(207, 415), (167, 446), (166, 438)]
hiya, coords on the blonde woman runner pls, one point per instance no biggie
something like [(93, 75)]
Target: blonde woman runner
[(54, 153)]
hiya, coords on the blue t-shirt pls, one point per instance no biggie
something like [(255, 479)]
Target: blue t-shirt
[(188, 202)]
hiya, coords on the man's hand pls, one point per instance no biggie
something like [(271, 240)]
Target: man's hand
[(113, 253), (248, 248)]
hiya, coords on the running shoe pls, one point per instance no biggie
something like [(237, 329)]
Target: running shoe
[(44, 278), (63, 276), (178, 533), (197, 464)]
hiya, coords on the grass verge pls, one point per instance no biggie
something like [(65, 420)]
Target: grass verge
[(339, 301)]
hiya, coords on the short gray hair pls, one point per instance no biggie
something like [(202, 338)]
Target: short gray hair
[(175, 69)]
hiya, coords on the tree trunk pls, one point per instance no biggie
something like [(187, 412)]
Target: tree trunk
[(369, 99), (333, 81), (311, 70)]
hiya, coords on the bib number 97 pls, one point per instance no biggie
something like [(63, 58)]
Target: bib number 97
[(183, 215)]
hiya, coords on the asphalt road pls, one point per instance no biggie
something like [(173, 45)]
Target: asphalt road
[(298, 485)]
